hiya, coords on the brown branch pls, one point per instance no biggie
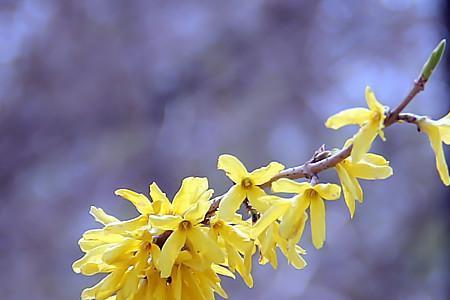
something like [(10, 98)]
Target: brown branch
[(419, 85), (322, 159), (253, 213), (162, 238), (409, 118)]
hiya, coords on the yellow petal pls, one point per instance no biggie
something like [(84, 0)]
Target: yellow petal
[(190, 191), (295, 258), (141, 202), (290, 223), (268, 246), (129, 285), (328, 191), (233, 167), (122, 227), (375, 159), (248, 255), (203, 243), (255, 195), (120, 251), (444, 121), (235, 237), (264, 174), (237, 262), (161, 203), (445, 134), (165, 222), (231, 202), (318, 230), (348, 188), (436, 144), (285, 185), (177, 286), (363, 139), (191, 289), (155, 255), (222, 271), (170, 251), (141, 292), (350, 116), (444, 128), (271, 215), (372, 102), (368, 171), (105, 288), (102, 217), (90, 263), (358, 189), (102, 235), (196, 213), (205, 196), (96, 237), (300, 227)]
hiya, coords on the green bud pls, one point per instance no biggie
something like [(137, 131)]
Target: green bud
[(433, 60)]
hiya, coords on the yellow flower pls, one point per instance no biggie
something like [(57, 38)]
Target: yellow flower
[(270, 239), (187, 213), (438, 132), (238, 247), (129, 251), (370, 167), (311, 196), (287, 234), (246, 185), (370, 120), (123, 253)]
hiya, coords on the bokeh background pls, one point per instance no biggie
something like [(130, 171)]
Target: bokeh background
[(99, 95)]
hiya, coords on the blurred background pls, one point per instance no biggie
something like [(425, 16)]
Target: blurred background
[(100, 95)]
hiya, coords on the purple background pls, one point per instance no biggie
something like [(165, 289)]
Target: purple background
[(99, 95)]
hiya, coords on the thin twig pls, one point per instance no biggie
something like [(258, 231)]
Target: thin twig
[(419, 85), (322, 159)]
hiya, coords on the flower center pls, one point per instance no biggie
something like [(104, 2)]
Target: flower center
[(311, 193), (218, 224), (246, 183), (185, 225), (377, 116)]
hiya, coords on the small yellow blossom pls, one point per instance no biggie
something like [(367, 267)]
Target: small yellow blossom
[(124, 255), (370, 120), (246, 185), (311, 196), (292, 216), (370, 167), (438, 132), (238, 247), (270, 239), (186, 213)]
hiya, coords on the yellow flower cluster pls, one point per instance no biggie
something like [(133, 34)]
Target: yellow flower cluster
[(187, 264), (178, 249)]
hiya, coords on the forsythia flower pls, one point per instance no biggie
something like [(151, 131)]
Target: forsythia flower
[(438, 132), (184, 219), (284, 235), (121, 248), (185, 267), (370, 167), (311, 196), (370, 120), (246, 184), (237, 245)]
